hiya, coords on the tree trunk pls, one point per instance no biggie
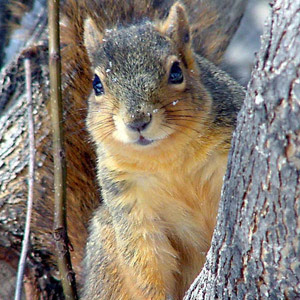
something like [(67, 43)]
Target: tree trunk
[(256, 246), (14, 159)]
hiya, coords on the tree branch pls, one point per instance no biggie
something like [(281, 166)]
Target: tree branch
[(25, 242), (60, 226)]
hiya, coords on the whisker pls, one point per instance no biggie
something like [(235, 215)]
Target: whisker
[(166, 131), (100, 126), (184, 116), (105, 135), (178, 100), (104, 120), (82, 122), (177, 130), (101, 110), (164, 106), (184, 109), (187, 120), (183, 126), (82, 109)]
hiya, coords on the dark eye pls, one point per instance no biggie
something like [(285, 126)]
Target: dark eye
[(97, 85), (176, 76)]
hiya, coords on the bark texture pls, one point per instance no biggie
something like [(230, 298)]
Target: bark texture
[(82, 191), (14, 157), (256, 246)]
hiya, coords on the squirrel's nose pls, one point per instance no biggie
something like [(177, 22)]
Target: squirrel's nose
[(140, 124)]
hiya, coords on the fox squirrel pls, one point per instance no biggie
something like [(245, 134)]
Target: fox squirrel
[(161, 117)]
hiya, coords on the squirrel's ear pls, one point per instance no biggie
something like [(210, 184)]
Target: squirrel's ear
[(177, 27), (92, 38)]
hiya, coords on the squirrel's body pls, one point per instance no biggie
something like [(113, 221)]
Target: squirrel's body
[(171, 211), (161, 118)]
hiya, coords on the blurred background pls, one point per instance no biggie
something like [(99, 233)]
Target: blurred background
[(238, 59)]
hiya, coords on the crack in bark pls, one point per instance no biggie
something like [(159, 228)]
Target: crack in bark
[(265, 182)]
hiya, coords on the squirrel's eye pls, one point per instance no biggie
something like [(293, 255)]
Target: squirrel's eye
[(176, 76), (98, 86)]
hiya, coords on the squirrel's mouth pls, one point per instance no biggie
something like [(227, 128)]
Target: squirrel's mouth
[(143, 141)]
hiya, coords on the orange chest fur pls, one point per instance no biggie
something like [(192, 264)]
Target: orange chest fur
[(182, 200)]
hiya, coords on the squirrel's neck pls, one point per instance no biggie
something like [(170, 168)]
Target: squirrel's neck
[(201, 164), (165, 156), (186, 192)]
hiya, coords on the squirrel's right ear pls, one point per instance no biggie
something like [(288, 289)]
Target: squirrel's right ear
[(92, 38)]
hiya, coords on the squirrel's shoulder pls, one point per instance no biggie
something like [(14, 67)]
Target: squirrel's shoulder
[(226, 93)]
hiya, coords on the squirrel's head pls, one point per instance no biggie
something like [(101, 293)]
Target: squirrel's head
[(146, 87)]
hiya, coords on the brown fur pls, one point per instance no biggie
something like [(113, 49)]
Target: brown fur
[(149, 238)]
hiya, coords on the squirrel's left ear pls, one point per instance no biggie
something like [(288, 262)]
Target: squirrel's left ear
[(177, 27), (92, 38)]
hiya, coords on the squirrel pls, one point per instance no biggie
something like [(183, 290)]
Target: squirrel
[(160, 116)]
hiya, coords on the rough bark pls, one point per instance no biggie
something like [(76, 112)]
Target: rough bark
[(256, 246), (14, 162)]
